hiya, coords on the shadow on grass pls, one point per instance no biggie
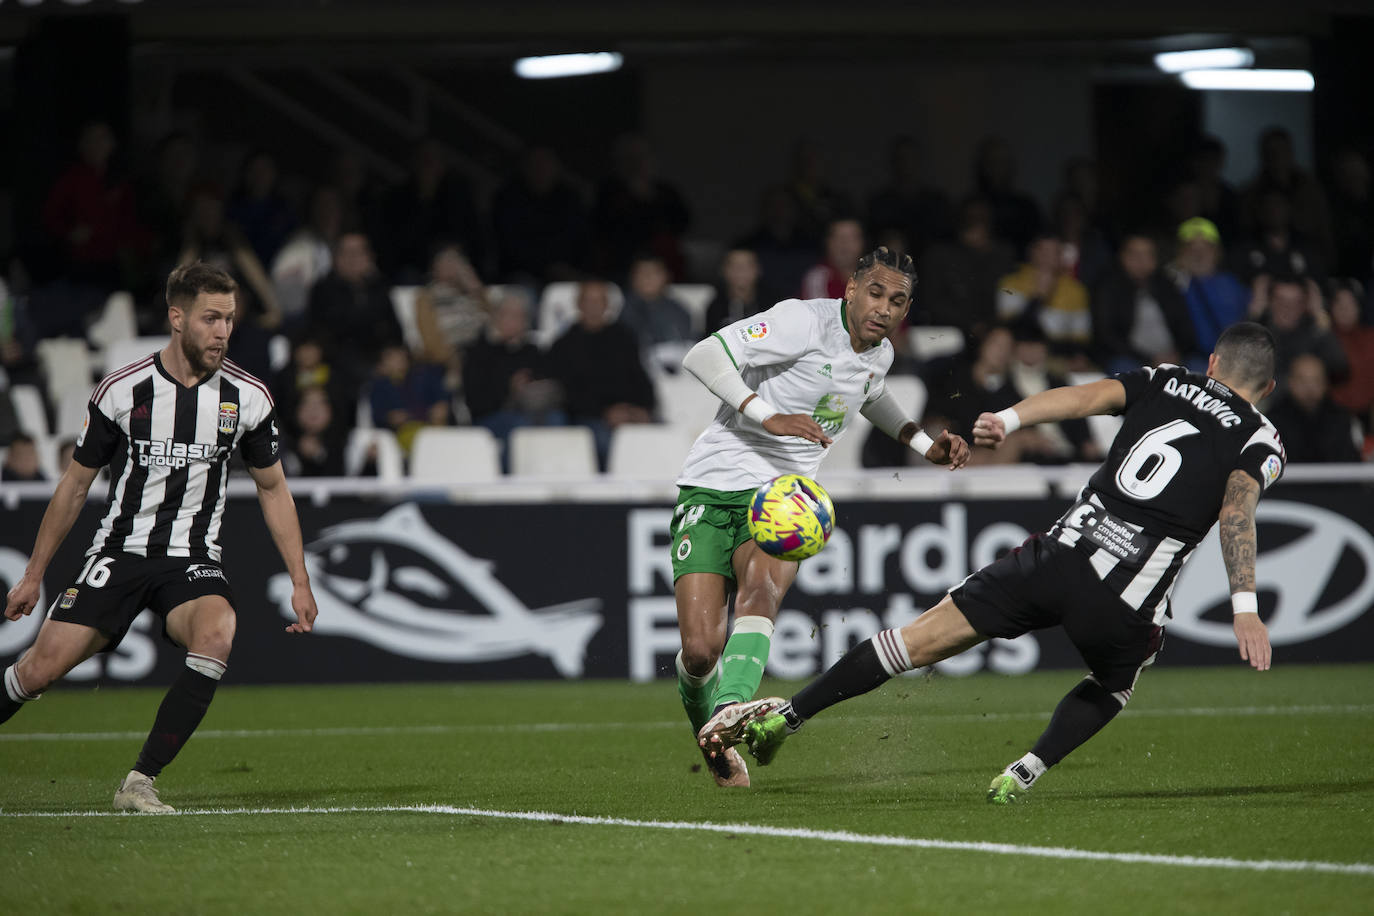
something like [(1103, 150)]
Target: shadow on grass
[(1298, 788)]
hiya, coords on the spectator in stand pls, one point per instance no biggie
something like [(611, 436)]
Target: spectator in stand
[(1215, 199), (506, 379), (1352, 215), (1139, 317), (1029, 373), (1015, 215), (1216, 299), (250, 344), (959, 281), (163, 196), (650, 311), (433, 203), (316, 442), (1356, 393), (209, 238), (65, 450), (598, 364), (784, 255), (974, 385), (406, 396), (350, 312), (817, 203), (21, 461), (920, 212), (738, 295), (541, 223), (844, 245), (307, 256), (1313, 427), (637, 211), (451, 310), (1292, 310), (1278, 249), (90, 214), (308, 369), (1086, 254), (1041, 289), (258, 208), (1082, 181), (1279, 172)]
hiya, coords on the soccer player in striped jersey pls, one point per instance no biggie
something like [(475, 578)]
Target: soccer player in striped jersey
[(790, 380), (1192, 451), (166, 425)]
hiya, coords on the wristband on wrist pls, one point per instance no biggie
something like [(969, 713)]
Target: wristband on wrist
[(1244, 603), (759, 410), (921, 443), (1010, 420)]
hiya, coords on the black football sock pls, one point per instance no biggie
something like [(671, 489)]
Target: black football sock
[(868, 665), (13, 696), (1079, 716), (180, 713)]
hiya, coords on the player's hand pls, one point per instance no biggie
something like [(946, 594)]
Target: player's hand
[(796, 424), (22, 598), (989, 431), (1253, 638), (303, 603), (948, 449)]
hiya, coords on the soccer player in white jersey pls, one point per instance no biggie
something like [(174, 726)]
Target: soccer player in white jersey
[(166, 425), (791, 379)]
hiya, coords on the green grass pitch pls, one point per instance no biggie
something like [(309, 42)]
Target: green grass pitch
[(1221, 764)]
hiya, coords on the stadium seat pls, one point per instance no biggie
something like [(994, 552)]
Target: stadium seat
[(29, 410), (647, 451), (558, 311), (390, 461), (116, 322), (697, 298), (910, 392), (71, 414), (928, 342), (66, 364), (553, 452), (278, 352), (455, 455), (124, 352), (403, 301), (685, 403)]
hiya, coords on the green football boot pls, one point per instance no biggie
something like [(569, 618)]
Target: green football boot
[(764, 737), (1004, 789)]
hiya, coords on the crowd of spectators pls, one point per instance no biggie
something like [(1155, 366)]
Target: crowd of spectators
[(1037, 296)]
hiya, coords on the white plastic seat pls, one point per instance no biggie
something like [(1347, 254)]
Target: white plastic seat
[(124, 352), (403, 301), (930, 341), (910, 392), (455, 455), (553, 452), (390, 461), (697, 299), (71, 414), (66, 364), (647, 451), (117, 321), (558, 310), (29, 410), (685, 403)]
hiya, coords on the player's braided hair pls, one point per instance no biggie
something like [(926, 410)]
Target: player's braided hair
[(885, 256)]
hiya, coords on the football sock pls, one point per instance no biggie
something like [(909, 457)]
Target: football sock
[(180, 712), (14, 695), (697, 693), (866, 666), (1027, 770), (742, 662), (1079, 716)]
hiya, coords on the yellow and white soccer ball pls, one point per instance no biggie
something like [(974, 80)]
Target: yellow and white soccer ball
[(791, 517)]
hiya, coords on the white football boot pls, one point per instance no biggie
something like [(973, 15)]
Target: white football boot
[(726, 728), (136, 793)]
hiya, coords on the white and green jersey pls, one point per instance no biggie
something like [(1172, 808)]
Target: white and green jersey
[(798, 356)]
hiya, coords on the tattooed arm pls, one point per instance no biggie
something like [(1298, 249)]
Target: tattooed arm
[(1237, 529)]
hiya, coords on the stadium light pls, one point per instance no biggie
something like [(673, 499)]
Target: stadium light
[(553, 66), (1204, 59), (1253, 80)]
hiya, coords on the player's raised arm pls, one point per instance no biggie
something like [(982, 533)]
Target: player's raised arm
[(715, 368), (279, 511), (1236, 524), (886, 413), (65, 505), (1071, 402)]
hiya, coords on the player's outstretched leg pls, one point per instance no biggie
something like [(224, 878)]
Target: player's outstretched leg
[(59, 648), (1081, 714), (743, 661)]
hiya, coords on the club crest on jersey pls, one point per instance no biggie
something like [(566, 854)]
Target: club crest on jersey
[(756, 331), (228, 417), (68, 599), (830, 412), (1271, 468)]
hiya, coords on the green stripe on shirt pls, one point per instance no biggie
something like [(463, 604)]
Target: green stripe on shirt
[(717, 336)]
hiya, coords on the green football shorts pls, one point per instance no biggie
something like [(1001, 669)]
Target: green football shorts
[(708, 526)]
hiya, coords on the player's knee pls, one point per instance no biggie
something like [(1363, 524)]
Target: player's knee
[(699, 656), (216, 639), (38, 672)]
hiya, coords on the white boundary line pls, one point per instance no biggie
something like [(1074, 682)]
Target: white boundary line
[(534, 727), (792, 833)]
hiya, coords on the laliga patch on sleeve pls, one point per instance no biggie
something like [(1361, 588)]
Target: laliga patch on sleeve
[(1271, 468), (85, 425), (756, 331)]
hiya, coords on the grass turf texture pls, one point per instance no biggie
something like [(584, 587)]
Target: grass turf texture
[(912, 759)]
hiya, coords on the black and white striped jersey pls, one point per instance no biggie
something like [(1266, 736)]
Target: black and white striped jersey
[(1160, 490), (168, 449)]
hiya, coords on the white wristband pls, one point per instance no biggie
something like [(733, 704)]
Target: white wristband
[(921, 443), (1010, 420), (759, 410), (1244, 603)]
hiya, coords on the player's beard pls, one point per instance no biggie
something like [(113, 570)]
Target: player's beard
[(201, 361)]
